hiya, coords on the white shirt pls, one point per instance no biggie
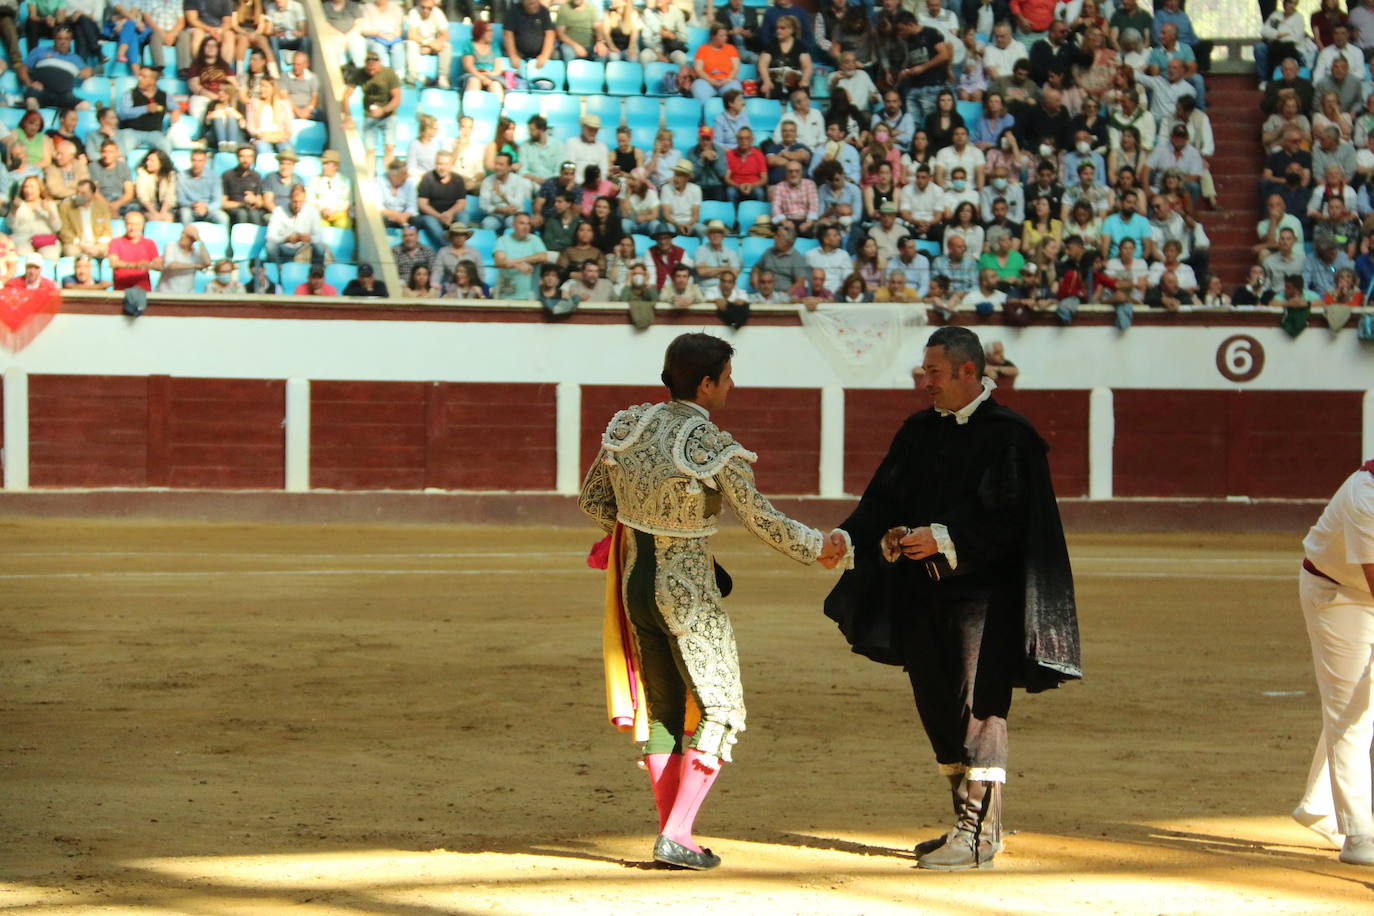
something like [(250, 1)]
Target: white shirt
[(858, 86), (1343, 538), (1000, 61), (585, 154), (707, 256), (1352, 54), (420, 28), (922, 205), (513, 192), (284, 223), (677, 206), (963, 413), (810, 127), (950, 159), (837, 265), (330, 193), (1183, 273)]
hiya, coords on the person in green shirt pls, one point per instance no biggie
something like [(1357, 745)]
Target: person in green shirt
[(381, 89), (518, 257), (1004, 260), (578, 26)]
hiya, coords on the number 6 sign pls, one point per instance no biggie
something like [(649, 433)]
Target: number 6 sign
[(1240, 358)]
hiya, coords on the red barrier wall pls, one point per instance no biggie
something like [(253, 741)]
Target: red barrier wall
[(1235, 443), (783, 425), (88, 431), (872, 418), (412, 435)]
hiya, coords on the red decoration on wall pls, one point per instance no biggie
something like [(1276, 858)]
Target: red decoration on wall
[(24, 313)]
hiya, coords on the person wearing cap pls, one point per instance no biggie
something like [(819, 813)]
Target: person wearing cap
[(714, 259), (332, 193), (503, 194), (276, 187), (314, 284), (639, 204), (410, 254), (666, 256), (663, 36), (293, 228), (529, 35), (365, 284), (565, 182), (1180, 156), (540, 155), (708, 163), (32, 277), (446, 260), (182, 260), (680, 202), (716, 66), (381, 91), (441, 197), (585, 149), (887, 232), (518, 256), (142, 111), (795, 200), (427, 36), (397, 197)]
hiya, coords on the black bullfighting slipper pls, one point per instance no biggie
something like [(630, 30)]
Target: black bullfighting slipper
[(671, 852), (927, 846)]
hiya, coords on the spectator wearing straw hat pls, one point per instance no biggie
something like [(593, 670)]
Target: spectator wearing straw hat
[(585, 149), (447, 259), (332, 193), (276, 187), (714, 259)]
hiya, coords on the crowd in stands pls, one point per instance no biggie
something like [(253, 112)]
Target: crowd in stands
[(1014, 157), (1313, 242)]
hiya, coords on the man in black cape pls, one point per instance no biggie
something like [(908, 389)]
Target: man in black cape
[(962, 577)]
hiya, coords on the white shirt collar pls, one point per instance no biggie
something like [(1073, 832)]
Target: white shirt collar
[(963, 413), (695, 406)]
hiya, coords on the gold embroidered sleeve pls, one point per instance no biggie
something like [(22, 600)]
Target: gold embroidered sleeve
[(788, 537), (598, 495)]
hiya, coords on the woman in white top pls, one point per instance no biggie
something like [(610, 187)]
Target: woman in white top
[(964, 223), (662, 159), (1285, 35), (269, 118), (623, 259), (34, 219), (422, 150), (155, 187)]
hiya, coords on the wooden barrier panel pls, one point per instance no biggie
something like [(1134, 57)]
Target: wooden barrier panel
[(492, 436), (872, 418), (216, 434), (367, 435), (783, 425), (88, 431), (1262, 444)]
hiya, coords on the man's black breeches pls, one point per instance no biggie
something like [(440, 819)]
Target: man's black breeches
[(960, 664)]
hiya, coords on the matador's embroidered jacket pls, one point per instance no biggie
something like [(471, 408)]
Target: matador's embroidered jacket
[(664, 469)]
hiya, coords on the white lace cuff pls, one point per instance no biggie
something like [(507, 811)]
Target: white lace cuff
[(848, 561), (942, 541)]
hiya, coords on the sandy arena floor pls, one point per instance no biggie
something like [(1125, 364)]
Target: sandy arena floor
[(408, 721)]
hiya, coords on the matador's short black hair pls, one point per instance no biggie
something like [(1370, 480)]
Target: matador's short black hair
[(691, 358), (961, 346)]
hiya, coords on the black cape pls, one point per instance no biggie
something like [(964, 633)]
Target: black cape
[(989, 482)]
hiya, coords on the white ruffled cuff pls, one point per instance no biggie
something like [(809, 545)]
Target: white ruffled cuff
[(942, 541), (848, 561)]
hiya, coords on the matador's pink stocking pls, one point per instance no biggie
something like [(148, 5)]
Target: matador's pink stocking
[(664, 773), (699, 772)]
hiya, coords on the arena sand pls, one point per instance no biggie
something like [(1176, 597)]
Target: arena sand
[(408, 721)]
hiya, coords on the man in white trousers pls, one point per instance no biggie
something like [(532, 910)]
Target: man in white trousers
[(1337, 590)]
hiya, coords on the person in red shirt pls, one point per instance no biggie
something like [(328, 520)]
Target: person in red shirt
[(315, 285), (746, 171), (132, 255), (1033, 17), (32, 277)]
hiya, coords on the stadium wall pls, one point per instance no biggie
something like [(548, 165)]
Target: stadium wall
[(489, 401)]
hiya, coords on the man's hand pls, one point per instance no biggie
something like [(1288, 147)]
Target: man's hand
[(833, 551), (918, 544)]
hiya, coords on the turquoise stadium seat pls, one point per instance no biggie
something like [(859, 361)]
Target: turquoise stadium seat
[(339, 275), (459, 32), (688, 243), (477, 105), (215, 238), (721, 210), (971, 112), (605, 107), (642, 243), (472, 211), (752, 248), (684, 138), (484, 240), (586, 77), (696, 37), (624, 77), (161, 233), (224, 162), (641, 111), (712, 108), (340, 242), (294, 273), (749, 211), (929, 249), (521, 106), (643, 137), (248, 241), (748, 71), (309, 167), (563, 112), (11, 117), (95, 90), (820, 86), (267, 163), (653, 77), (181, 158), (554, 72), (805, 245), (764, 115), (681, 112), (442, 103)]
